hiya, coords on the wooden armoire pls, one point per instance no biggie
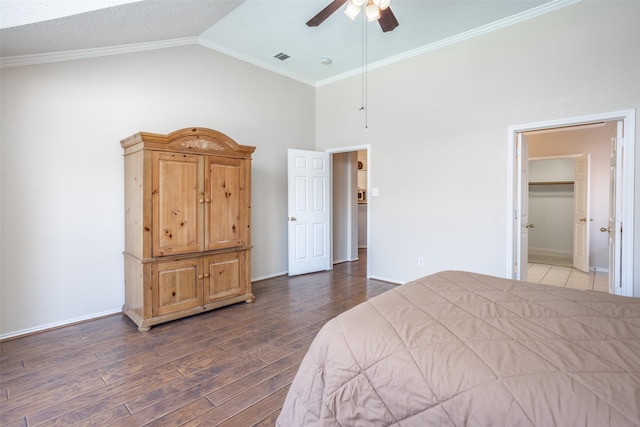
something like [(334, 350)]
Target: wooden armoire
[(187, 224)]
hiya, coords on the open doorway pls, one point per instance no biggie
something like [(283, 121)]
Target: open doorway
[(551, 209), (350, 207), (568, 202), (323, 209), (619, 206)]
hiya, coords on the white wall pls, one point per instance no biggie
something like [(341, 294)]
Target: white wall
[(341, 205), (551, 211), (362, 225), (62, 168), (438, 130)]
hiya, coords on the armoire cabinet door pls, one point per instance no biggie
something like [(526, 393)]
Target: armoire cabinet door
[(226, 220), (176, 286), (224, 276), (177, 203)]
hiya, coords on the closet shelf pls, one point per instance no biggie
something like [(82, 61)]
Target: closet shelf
[(551, 182)]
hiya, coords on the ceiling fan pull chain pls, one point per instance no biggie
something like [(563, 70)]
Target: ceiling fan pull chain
[(365, 85)]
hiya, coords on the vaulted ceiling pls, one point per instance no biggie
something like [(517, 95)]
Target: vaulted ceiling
[(34, 31)]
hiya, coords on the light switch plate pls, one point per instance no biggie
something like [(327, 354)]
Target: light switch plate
[(375, 191)]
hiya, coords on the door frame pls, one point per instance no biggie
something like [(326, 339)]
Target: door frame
[(625, 211), (355, 149)]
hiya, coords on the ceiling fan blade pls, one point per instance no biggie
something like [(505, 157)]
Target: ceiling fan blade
[(325, 13), (387, 20)]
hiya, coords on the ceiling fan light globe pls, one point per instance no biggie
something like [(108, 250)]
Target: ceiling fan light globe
[(352, 10), (373, 13)]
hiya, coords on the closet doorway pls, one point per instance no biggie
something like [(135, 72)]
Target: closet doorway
[(553, 212), (618, 129)]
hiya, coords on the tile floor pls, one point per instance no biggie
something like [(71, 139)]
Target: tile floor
[(567, 277)]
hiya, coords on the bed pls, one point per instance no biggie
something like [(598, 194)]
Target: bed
[(465, 349)]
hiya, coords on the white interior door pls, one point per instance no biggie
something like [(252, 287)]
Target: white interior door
[(612, 229), (581, 218), (309, 210), (522, 215)]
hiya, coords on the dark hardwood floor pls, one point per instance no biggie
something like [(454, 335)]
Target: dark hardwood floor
[(229, 367)]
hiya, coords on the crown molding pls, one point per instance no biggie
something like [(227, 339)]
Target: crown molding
[(502, 23), (72, 55)]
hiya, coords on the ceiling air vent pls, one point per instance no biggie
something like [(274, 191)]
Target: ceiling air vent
[(281, 56)]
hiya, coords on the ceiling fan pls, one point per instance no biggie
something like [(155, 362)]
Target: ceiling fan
[(375, 9)]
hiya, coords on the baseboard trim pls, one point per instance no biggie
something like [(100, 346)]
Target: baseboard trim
[(342, 261), (268, 276), (550, 252), (384, 279), (57, 325)]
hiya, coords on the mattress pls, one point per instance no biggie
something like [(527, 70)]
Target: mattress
[(464, 349)]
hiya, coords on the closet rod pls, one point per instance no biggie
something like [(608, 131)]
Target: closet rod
[(551, 182)]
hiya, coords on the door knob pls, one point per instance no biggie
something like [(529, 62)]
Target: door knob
[(530, 226), (583, 219), (293, 218), (606, 230)]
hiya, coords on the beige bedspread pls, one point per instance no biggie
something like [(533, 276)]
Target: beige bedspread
[(456, 349)]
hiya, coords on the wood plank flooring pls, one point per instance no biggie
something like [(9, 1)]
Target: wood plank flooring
[(229, 367)]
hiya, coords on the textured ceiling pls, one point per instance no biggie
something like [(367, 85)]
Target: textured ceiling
[(255, 30), (22, 12), (139, 22)]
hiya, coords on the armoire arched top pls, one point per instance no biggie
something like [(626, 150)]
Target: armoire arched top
[(188, 140)]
